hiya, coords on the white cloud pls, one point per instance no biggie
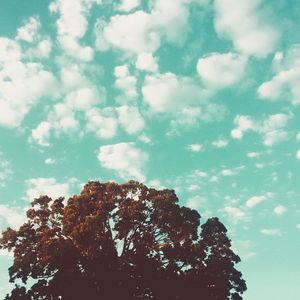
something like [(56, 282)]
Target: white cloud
[(72, 25), (298, 137), (5, 170), (46, 187), (271, 232), (167, 92), (12, 216), (255, 200), (50, 161), (102, 121), (29, 31), (235, 214), (124, 158), (22, 85), (246, 25), (285, 83), (271, 128), (146, 62), (220, 143), (130, 119), (126, 83), (128, 5), (196, 202), (141, 32), (221, 70), (253, 154), (41, 134), (298, 154), (279, 210), (244, 249), (195, 147), (298, 226)]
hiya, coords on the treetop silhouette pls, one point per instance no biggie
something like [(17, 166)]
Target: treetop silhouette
[(120, 241)]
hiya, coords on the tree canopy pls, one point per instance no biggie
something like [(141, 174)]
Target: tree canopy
[(120, 241)]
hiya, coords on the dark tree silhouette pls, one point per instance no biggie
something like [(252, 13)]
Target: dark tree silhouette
[(124, 242)]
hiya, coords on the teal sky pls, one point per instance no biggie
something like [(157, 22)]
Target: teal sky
[(197, 95)]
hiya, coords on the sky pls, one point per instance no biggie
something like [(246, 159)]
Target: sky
[(198, 96)]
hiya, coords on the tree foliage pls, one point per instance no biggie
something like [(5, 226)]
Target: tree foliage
[(124, 242)]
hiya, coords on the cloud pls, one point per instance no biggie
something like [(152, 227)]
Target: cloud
[(141, 32), (169, 92), (128, 5), (255, 200), (46, 186), (196, 202), (220, 143), (231, 65), (146, 62), (102, 121), (130, 119), (126, 83), (271, 128), (235, 214), (22, 85), (41, 134), (72, 26), (29, 31), (271, 232), (124, 158), (298, 154), (50, 161), (244, 249), (253, 154), (195, 147), (5, 170), (285, 83), (11, 216), (246, 25), (279, 210)]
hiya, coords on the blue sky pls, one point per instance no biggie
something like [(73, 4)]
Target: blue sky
[(197, 95)]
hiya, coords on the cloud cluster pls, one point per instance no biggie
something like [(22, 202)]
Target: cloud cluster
[(46, 186), (272, 128), (22, 85), (285, 83), (125, 159), (246, 25)]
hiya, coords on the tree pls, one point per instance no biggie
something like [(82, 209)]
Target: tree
[(124, 242)]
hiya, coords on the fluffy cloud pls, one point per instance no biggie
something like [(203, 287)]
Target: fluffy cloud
[(126, 83), (128, 5), (72, 25), (220, 143), (130, 119), (235, 214), (221, 70), (146, 62), (195, 147), (285, 84), (22, 85), (102, 121), (141, 32), (11, 216), (245, 24), (29, 31), (124, 158), (167, 92), (46, 186), (298, 154), (271, 128), (279, 210), (255, 200), (41, 134), (196, 202)]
